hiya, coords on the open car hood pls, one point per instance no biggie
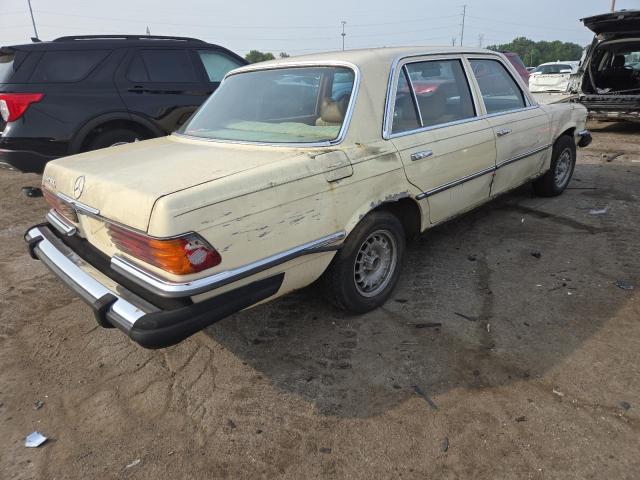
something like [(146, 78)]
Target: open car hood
[(617, 23)]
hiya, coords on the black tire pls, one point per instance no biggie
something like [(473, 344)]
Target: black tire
[(345, 287), (110, 138), (563, 162)]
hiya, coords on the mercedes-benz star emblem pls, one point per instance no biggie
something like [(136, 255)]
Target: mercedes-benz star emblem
[(78, 187)]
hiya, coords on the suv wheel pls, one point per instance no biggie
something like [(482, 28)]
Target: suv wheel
[(365, 271), (111, 138)]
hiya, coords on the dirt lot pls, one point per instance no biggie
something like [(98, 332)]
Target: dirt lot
[(527, 377)]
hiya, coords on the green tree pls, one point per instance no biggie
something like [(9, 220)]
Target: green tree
[(284, 55), (255, 56), (534, 53)]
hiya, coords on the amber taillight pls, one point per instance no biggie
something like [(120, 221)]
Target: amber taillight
[(60, 205), (182, 255)]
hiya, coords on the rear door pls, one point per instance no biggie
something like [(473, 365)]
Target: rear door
[(447, 147), (165, 85), (521, 128)]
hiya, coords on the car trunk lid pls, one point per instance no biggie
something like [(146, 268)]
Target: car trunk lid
[(124, 182), (615, 23)]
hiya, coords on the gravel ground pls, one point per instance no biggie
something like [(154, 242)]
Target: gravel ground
[(532, 372)]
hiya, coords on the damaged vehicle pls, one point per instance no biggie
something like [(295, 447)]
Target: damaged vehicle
[(294, 170), (552, 77), (608, 81)]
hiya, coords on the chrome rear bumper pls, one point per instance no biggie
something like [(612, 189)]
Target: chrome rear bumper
[(95, 288), (114, 305)]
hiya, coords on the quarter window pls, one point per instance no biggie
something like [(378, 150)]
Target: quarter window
[(440, 91), (216, 64), (499, 90), (66, 66)]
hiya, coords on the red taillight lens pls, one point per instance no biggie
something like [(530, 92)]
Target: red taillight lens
[(60, 206), (183, 255), (13, 105)]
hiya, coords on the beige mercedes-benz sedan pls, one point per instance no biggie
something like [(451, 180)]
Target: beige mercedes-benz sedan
[(295, 170)]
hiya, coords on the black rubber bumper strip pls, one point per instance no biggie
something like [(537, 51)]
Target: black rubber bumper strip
[(166, 328), (585, 140)]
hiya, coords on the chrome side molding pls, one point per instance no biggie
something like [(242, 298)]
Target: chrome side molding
[(166, 288)]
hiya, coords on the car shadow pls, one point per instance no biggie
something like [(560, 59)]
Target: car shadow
[(499, 295)]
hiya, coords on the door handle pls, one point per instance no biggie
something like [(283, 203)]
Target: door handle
[(421, 155), (137, 89), (503, 132)]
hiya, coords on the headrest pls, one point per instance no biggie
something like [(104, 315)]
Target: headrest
[(619, 61), (332, 111)]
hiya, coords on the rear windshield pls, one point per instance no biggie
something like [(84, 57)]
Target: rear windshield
[(555, 68), (283, 105), (6, 67)]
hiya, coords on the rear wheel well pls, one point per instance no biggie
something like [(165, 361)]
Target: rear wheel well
[(114, 125), (408, 212)]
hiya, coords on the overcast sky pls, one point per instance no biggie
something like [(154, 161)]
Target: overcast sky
[(299, 27)]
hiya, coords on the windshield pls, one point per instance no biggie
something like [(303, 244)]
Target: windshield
[(283, 105), (554, 68)]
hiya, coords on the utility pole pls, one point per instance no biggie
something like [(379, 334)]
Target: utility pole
[(35, 30), (343, 34), (453, 41), (480, 40), (464, 14), (148, 31), (613, 6)]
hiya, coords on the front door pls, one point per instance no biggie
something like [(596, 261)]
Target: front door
[(447, 147), (521, 129)]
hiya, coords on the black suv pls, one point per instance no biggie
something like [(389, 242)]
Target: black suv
[(81, 93)]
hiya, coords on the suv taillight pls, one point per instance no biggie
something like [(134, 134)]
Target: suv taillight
[(13, 105), (181, 255)]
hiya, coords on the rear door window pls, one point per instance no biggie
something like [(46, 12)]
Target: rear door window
[(162, 66), (66, 66), (499, 90), (217, 64)]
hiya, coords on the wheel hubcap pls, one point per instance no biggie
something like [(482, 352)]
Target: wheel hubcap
[(563, 167), (375, 263)]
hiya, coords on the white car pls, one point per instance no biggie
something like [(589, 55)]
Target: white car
[(295, 169), (552, 77)]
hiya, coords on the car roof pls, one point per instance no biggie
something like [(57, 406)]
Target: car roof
[(88, 42), (381, 56)]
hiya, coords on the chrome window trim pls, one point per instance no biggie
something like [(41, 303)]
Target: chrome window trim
[(515, 76), (342, 134), (480, 173), (414, 97), (171, 289), (531, 104), (388, 110)]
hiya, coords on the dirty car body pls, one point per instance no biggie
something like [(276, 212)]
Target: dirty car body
[(608, 81), (295, 170)]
